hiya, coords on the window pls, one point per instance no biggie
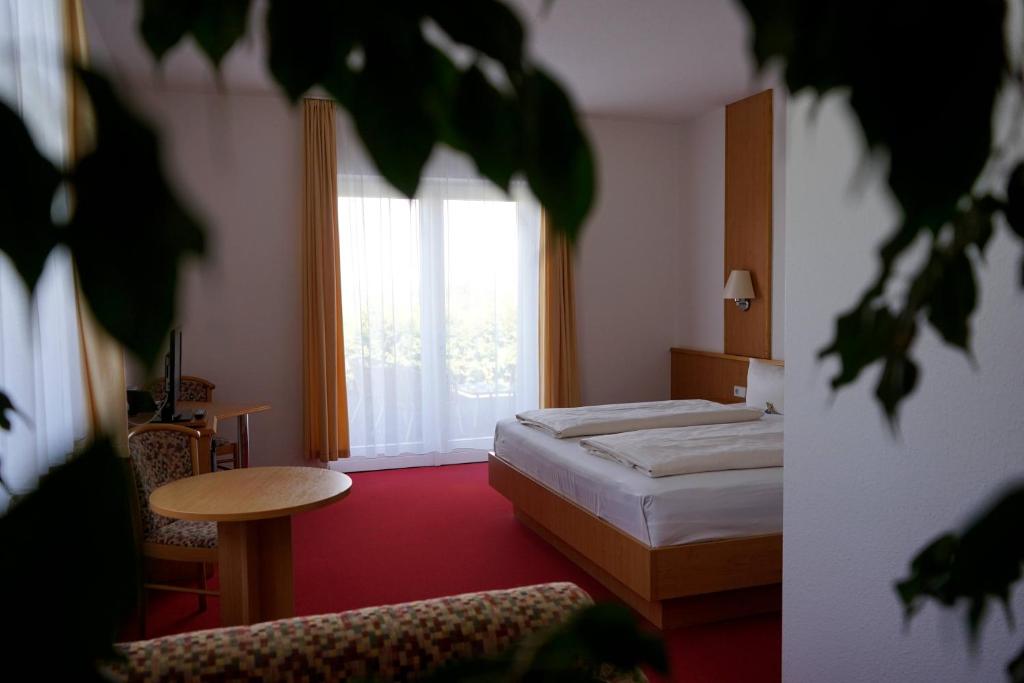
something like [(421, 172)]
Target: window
[(40, 363), (439, 300)]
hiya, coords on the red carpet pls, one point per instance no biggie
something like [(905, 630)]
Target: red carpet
[(421, 533)]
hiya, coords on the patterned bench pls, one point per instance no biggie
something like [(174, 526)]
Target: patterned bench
[(394, 643)]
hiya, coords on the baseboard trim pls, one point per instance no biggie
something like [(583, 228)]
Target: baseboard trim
[(395, 462)]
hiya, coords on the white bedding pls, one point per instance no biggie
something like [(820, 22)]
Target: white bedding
[(691, 450), (565, 423), (658, 512)]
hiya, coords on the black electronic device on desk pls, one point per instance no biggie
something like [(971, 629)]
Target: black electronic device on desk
[(172, 383)]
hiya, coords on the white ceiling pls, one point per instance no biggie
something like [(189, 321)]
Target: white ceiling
[(657, 59)]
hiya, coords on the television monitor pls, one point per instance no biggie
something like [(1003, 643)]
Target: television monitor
[(172, 378)]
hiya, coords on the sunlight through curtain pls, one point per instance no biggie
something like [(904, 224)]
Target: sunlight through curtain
[(40, 361), (440, 306)]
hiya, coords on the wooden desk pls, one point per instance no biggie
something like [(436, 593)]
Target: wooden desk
[(207, 426), (252, 508)]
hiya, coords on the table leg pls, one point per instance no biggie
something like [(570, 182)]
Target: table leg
[(255, 571), (243, 440), (207, 460)]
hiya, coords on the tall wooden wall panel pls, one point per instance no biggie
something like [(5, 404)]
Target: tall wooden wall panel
[(748, 221)]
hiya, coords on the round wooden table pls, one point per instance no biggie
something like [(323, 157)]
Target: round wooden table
[(252, 508)]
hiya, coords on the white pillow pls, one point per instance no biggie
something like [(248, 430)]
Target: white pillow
[(765, 385)]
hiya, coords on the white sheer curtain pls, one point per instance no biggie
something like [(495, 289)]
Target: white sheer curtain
[(439, 298), (40, 361)]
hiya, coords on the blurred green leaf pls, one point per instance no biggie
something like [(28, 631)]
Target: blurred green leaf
[(604, 634), (1016, 668), (6, 406), (219, 25), (908, 91), (486, 127), (898, 380), (488, 26), (165, 22), (71, 562), (307, 42), (559, 165), (596, 642), (28, 183), (405, 95), (392, 106), (954, 301), (129, 234), (1015, 200), (977, 565), (943, 289), (216, 25)]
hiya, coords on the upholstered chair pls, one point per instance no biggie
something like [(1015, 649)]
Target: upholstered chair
[(160, 454), (200, 390), (190, 389)]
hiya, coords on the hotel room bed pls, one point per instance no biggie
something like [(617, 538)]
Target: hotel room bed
[(658, 512), (682, 549)]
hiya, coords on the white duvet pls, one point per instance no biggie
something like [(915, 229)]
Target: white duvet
[(566, 423), (689, 450)]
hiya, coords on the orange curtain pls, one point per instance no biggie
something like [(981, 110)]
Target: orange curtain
[(559, 367), (325, 404), (102, 356)]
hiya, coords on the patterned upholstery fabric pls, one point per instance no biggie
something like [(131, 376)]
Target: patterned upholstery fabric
[(190, 389), (158, 457), (396, 643), (186, 533)]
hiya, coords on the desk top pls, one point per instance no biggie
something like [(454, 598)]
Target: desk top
[(249, 494), (223, 411), (214, 411)]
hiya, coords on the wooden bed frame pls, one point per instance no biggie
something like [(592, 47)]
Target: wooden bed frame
[(672, 586)]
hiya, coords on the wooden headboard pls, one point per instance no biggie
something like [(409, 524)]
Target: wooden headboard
[(709, 375)]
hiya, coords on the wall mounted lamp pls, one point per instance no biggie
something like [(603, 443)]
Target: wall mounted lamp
[(740, 289)]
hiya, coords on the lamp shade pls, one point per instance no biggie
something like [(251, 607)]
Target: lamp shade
[(739, 285)]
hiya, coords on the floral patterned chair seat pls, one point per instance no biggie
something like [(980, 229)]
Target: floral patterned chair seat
[(185, 533), (159, 455)]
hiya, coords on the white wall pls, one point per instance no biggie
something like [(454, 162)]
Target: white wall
[(237, 158), (860, 501), (700, 320), (626, 267)]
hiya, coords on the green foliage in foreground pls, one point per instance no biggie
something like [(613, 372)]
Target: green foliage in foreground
[(598, 642), (977, 565), (923, 79), (128, 235), (70, 569), (389, 65)]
